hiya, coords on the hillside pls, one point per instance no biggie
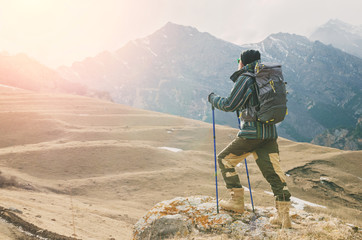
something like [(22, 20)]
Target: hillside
[(342, 138), (89, 169)]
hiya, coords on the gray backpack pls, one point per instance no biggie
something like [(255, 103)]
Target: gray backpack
[(272, 94)]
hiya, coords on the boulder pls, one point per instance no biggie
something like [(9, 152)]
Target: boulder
[(188, 217)]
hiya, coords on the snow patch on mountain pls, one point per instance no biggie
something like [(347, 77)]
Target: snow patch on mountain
[(171, 149), (300, 204)]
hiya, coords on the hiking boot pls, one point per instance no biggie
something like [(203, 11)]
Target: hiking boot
[(282, 219), (236, 202)]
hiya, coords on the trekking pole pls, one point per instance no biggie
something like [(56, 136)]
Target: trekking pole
[(213, 127), (251, 195), (246, 168)]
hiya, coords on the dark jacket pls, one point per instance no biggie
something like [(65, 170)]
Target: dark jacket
[(243, 97)]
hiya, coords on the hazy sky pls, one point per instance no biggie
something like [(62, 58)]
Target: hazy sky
[(59, 32)]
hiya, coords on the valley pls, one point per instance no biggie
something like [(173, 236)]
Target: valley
[(88, 168)]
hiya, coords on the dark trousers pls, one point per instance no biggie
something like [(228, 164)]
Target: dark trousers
[(266, 154)]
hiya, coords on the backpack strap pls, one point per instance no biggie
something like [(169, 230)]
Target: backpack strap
[(253, 76), (249, 74)]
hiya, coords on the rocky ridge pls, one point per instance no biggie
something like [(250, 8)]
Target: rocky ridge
[(196, 216), (342, 138)]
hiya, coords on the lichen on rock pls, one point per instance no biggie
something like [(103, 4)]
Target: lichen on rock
[(181, 218)]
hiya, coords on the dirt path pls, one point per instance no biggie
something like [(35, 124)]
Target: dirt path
[(30, 231)]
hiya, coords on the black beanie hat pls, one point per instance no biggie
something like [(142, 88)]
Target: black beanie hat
[(249, 56)]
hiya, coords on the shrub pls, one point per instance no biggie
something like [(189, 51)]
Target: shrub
[(7, 182)]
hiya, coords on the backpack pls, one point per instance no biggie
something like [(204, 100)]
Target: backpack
[(271, 93)]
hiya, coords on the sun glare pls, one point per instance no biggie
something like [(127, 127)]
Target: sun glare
[(35, 6)]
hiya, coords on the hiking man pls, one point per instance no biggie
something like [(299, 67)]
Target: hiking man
[(255, 138)]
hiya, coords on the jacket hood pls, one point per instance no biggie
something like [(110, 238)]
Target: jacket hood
[(248, 68)]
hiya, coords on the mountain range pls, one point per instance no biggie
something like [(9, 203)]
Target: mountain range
[(24, 72), (174, 69), (341, 35)]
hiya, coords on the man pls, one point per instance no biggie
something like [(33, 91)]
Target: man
[(254, 138)]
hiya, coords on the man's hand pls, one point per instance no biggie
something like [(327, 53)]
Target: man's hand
[(210, 97)]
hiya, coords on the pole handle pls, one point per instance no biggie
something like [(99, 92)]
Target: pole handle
[(238, 116)]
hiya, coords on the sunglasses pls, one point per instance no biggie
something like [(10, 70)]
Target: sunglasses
[(239, 60)]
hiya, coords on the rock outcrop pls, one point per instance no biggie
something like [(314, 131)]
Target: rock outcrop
[(182, 218), (345, 139)]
